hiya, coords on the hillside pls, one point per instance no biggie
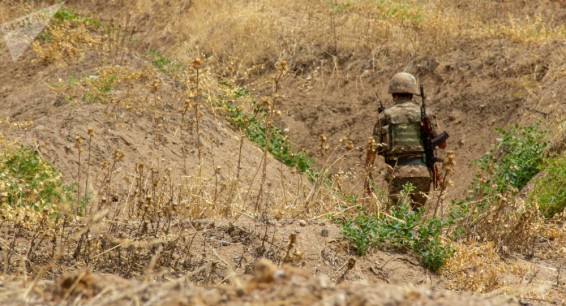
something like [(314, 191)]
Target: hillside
[(156, 115)]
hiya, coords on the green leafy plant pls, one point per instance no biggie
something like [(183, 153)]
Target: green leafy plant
[(164, 64), (101, 86), (510, 164), (66, 14), (26, 179), (252, 126), (550, 190), (489, 212), (405, 13), (402, 228)]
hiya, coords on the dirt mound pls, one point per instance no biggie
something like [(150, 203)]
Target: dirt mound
[(140, 129), (269, 285)]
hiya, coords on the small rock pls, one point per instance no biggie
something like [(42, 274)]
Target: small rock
[(302, 223), (212, 297), (324, 281), (340, 299)]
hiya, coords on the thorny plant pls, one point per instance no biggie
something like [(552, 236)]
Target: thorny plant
[(149, 231), (136, 231)]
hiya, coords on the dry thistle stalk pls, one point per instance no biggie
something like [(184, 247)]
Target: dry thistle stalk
[(78, 143), (90, 132), (323, 147), (292, 241), (347, 144)]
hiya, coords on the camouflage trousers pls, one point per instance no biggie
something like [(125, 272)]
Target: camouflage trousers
[(418, 176)]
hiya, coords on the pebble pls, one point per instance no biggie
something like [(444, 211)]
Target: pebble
[(302, 223), (212, 298), (340, 299), (324, 281)]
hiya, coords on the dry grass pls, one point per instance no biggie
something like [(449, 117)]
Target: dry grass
[(481, 267), (142, 223), (239, 35), (147, 222), (558, 140)]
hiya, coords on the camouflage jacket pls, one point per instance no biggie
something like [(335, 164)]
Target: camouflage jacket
[(398, 131)]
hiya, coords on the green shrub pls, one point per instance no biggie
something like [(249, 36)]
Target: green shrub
[(550, 189), (510, 164), (26, 179), (361, 232), (403, 229), (488, 212)]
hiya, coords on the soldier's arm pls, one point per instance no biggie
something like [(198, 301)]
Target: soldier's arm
[(379, 133)]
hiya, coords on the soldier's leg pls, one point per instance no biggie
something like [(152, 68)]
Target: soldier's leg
[(420, 194)]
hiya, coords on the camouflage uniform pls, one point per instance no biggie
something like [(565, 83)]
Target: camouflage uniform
[(398, 135)]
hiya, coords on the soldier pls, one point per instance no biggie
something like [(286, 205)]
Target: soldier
[(397, 136)]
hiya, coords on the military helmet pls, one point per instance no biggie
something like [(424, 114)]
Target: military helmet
[(403, 83)]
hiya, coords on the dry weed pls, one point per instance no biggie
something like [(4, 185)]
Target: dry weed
[(240, 37), (479, 267), (65, 41), (152, 228)]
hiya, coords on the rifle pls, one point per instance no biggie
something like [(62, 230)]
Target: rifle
[(430, 142), (381, 108)]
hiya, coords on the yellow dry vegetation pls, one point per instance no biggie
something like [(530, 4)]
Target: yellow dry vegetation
[(68, 40), (482, 267), (240, 39), (248, 33)]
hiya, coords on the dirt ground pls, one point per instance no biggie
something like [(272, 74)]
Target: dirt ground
[(473, 89)]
